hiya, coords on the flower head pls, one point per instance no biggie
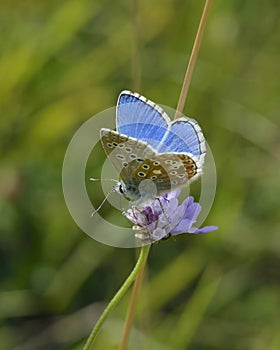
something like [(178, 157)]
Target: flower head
[(165, 217)]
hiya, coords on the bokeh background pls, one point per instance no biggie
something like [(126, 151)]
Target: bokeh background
[(63, 61)]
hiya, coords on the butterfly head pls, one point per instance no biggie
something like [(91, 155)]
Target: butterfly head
[(137, 194), (121, 189), (128, 191)]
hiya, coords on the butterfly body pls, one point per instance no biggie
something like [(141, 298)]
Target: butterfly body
[(149, 146)]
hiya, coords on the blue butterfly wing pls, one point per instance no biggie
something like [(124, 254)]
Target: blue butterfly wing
[(141, 118), (144, 120), (184, 136)]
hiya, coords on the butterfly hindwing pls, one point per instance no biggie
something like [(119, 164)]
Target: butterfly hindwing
[(185, 136), (165, 170)]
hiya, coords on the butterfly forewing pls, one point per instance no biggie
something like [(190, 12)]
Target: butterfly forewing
[(123, 150), (141, 118)]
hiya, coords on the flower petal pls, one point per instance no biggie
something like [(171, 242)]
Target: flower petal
[(192, 210), (204, 229), (183, 226), (158, 234)]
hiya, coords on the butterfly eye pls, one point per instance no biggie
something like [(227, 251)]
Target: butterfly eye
[(121, 189)]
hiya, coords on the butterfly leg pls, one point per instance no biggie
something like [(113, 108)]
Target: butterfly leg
[(167, 227)]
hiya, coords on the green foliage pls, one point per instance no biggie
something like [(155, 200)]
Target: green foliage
[(62, 62)]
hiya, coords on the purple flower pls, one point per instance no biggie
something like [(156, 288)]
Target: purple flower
[(164, 218)]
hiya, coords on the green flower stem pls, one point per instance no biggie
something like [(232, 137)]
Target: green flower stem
[(140, 262), (132, 305)]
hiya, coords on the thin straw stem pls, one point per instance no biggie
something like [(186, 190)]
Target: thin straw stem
[(136, 61), (193, 58)]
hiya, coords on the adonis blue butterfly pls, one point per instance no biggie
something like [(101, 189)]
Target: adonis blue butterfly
[(149, 146)]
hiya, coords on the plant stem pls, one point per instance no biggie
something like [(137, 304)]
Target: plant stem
[(193, 58), (140, 262), (135, 61), (132, 304)]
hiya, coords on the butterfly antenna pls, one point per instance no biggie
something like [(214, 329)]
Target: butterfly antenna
[(96, 180), (107, 195), (104, 200)]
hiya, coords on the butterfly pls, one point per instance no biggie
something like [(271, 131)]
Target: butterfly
[(148, 146)]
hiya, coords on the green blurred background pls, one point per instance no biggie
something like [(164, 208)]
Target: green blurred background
[(63, 61)]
